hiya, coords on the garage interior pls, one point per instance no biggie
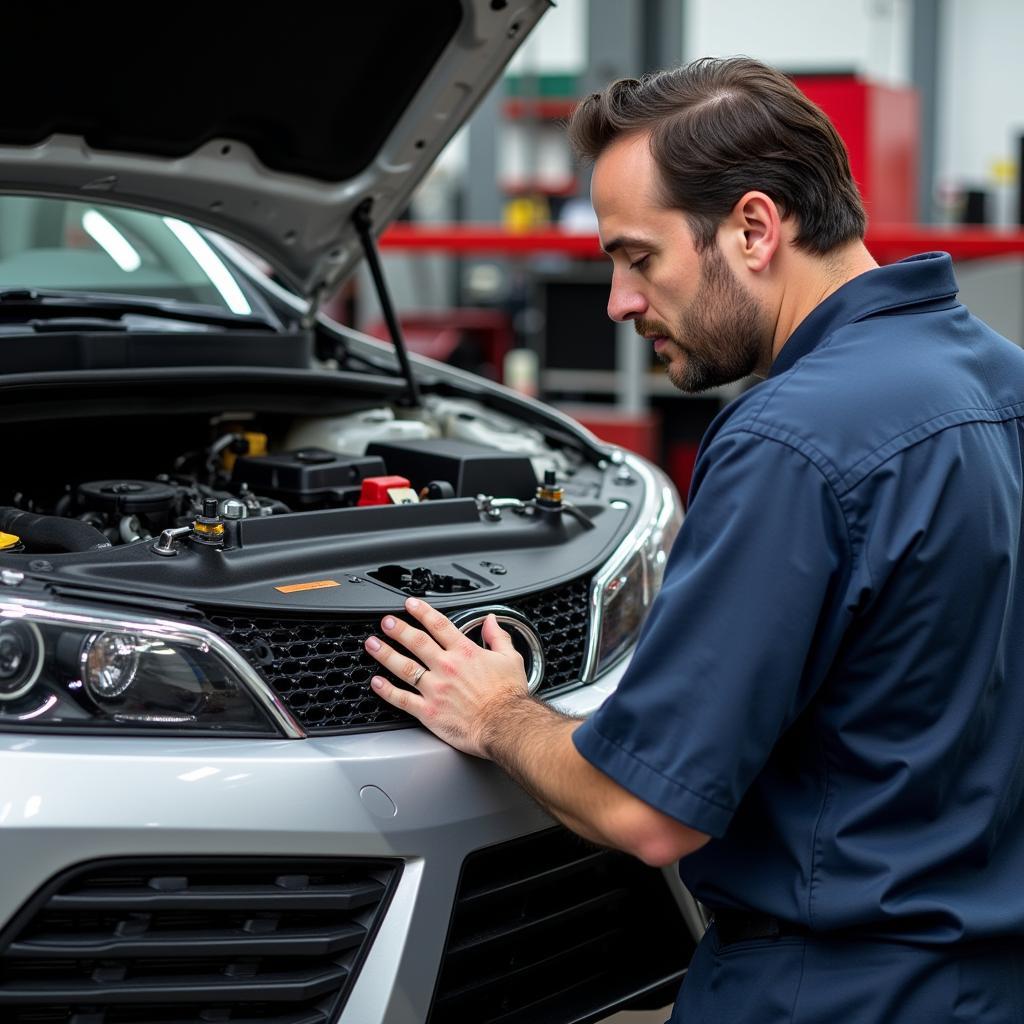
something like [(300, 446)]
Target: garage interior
[(495, 268), (496, 264)]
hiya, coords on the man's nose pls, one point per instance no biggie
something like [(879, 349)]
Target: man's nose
[(625, 303)]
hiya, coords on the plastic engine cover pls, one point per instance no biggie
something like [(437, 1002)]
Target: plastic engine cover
[(307, 478), (471, 469)]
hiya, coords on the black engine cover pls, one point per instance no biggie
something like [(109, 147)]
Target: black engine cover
[(307, 478), (471, 469)]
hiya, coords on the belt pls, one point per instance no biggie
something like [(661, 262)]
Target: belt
[(744, 925)]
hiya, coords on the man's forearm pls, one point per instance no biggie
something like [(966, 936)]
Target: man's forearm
[(476, 699), (532, 743)]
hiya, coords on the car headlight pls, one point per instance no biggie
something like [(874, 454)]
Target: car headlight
[(622, 592), (73, 668)]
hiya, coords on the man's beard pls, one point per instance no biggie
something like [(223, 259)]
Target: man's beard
[(724, 333)]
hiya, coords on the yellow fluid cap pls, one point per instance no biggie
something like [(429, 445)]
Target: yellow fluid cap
[(257, 442), (8, 540), (257, 446)]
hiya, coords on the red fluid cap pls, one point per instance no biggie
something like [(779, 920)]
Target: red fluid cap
[(375, 489)]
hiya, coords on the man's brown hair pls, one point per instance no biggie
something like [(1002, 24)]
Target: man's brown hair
[(720, 127)]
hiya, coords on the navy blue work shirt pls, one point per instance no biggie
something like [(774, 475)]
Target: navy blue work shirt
[(831, 681)]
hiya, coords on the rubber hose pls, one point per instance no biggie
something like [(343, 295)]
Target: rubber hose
[(51, 533)]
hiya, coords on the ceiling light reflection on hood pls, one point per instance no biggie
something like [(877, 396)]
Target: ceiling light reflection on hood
[(111, 241), (211, 265)]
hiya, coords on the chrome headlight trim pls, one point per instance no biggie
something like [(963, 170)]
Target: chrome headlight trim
[(184, 633), (660, 507), (83, 665), (37, 668)]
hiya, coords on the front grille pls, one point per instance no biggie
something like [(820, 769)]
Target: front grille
[(321, 671), (550, 930), (193, 941)]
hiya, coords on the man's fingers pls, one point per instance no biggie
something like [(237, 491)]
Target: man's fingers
[(405, 668), (495, 637), (402, 699), (413, 640), (441, 628)]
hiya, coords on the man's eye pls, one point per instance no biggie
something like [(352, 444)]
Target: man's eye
[(640, 263)]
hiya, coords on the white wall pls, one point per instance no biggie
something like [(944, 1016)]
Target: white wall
[(870, 37), (558, 43), (981, 95), (981, 65)]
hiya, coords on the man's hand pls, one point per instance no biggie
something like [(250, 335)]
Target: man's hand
[(476, 699), (464, 688)]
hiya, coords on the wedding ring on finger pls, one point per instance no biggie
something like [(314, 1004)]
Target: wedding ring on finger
[(415, 681)]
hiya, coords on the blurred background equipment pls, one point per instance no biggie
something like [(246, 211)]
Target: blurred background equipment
[(496, 267)]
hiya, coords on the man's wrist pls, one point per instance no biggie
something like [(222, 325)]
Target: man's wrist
[(508, 717), (519, 722)]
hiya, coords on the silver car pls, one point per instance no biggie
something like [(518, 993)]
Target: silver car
[(212, 493)]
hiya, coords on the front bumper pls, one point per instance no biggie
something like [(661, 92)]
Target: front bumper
[(398, 794)]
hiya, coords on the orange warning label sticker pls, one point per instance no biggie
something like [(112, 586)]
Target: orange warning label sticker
[(292, 588)]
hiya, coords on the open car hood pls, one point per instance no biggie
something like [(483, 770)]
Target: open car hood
[(270, 125)]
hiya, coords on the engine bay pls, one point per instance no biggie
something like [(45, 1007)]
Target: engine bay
[(198, 534), (259, 466), (288, 536)]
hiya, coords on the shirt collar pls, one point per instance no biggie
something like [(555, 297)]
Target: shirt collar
[(917, 281)]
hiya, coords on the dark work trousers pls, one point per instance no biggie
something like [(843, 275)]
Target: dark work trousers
[(796, 980)]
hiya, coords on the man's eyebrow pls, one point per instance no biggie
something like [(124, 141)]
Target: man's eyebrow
[(633, 241)]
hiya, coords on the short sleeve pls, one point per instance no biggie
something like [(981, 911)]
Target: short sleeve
[(738, 639)]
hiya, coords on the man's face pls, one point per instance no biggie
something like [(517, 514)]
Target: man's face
[(705, 326)]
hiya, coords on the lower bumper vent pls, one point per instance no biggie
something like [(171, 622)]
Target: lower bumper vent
[(550, 930), (193, 941)]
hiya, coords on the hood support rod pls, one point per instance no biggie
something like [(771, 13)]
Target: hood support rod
[(363, 224)]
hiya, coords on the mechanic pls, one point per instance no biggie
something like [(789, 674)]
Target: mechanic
[(823, 717)]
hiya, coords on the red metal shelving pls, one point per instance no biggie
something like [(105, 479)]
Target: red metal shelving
[(890, 242), (543, 108), (487, 238), (887, 242)]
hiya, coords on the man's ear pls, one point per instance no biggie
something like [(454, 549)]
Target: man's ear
[(755, 229)]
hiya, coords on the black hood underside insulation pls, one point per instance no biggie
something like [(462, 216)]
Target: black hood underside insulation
[(313, 90)]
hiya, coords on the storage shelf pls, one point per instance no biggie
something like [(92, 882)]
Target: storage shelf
[(891, 242), (487, 238), (542, 108), (887, 242)]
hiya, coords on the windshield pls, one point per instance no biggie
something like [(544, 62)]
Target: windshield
[(64, 244)]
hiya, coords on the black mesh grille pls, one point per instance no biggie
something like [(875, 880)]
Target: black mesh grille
[(320, 670), (177, 941), (550, 930)]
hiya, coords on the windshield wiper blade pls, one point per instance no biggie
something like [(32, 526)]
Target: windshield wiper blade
[(36, 303)]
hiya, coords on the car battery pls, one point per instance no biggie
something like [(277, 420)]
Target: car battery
[(471, 469), (308, 478)]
